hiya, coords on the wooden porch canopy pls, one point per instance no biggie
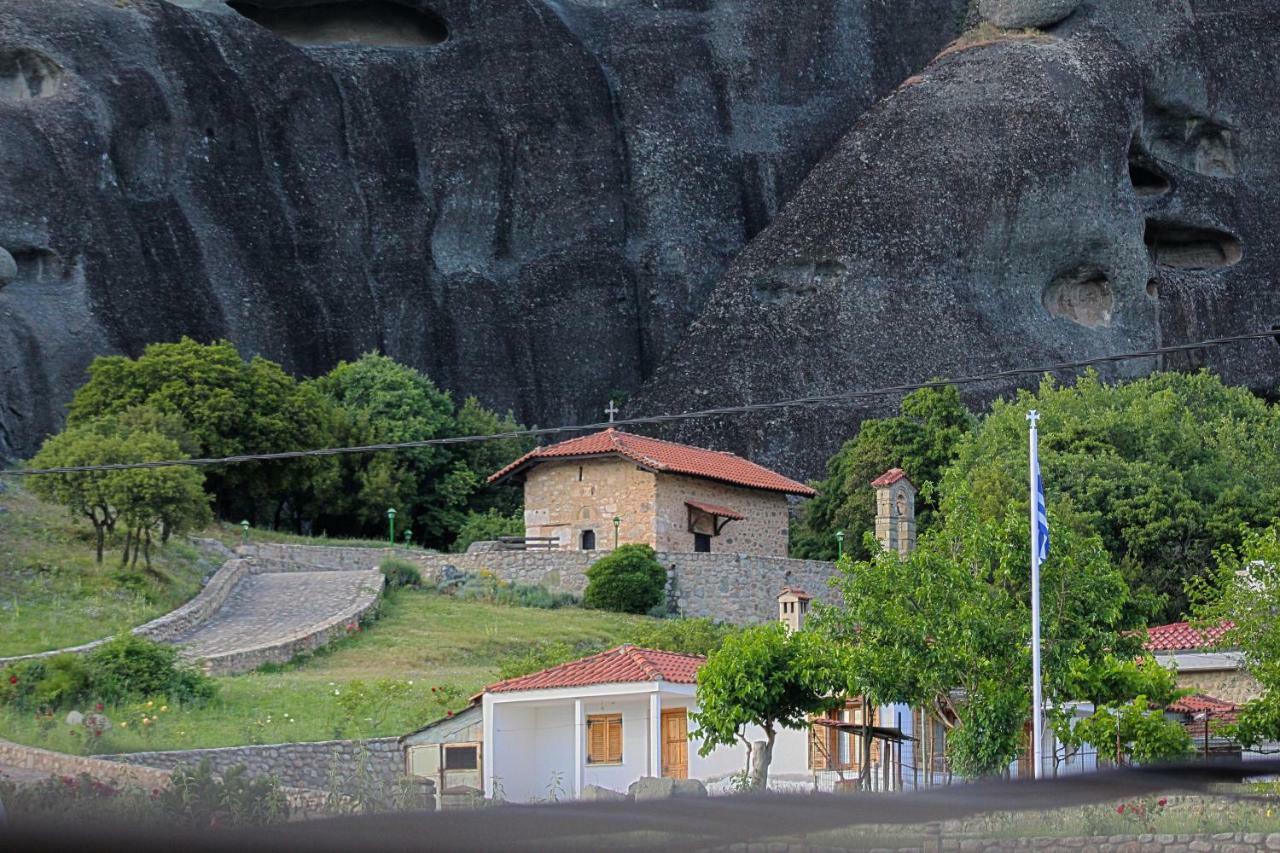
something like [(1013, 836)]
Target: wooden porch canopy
[(893, 734), (720, 515)]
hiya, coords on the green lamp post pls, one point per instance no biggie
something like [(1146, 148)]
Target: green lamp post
[(839, 544), (408, 535), (617, 523), (391, 527), (244, 532)]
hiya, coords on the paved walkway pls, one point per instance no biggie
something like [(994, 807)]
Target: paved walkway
[(272, 608)]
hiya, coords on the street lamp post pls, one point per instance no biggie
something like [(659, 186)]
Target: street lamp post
[(617, 523), (839, 544), (408, 535), (391, 527), (244, 532)]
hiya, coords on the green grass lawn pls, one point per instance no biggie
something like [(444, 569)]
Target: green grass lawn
[(448, 649), (54, 594)]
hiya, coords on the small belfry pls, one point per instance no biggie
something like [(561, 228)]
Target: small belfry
[(793, 607), (895, 511)]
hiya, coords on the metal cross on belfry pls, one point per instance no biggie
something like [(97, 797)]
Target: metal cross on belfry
[(611, 411)]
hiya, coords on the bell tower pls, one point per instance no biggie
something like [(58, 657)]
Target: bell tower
[(793, 607), (895, 511)]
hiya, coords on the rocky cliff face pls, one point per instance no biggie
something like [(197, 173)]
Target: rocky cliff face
[(528, 200), (1108, 184)]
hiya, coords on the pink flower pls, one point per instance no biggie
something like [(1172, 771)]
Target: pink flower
[(1120, 809), (13, 679), (1162, 802), (448, 713)]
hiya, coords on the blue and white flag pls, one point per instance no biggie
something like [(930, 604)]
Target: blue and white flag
[(1042, 517)]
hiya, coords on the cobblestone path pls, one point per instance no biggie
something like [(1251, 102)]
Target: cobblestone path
[(270, 608)]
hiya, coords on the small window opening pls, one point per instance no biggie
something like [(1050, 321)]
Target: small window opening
[(702, 543), (579, 473), (461, 758), (588, 540)]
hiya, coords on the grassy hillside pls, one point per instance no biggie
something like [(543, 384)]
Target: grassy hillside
[(53, 594), (447, 649)]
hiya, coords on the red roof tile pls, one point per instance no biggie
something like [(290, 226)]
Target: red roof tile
[(796, 591), (666, 456), (888, 478), (621, 665), (1182, 636), (716, 509)]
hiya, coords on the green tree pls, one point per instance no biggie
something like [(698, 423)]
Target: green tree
[(947, 628), (167, 499), (922, 440), (1165, 469), (485, 527), (1244, 590), (764, 676)]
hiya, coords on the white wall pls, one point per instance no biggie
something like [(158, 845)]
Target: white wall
[(635, 744), (511, 760)]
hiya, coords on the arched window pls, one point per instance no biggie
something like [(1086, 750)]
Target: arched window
[(588, 540)]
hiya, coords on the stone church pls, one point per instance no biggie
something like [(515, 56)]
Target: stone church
[(614, 488)]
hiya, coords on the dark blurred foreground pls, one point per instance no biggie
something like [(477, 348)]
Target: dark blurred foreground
[(745, 822)]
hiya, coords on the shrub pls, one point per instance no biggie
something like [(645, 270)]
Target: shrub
[(630, 580), (691, 636), (20, 681), (198, 799), (65, 683), (400, 573), (485, 526), (488, 587), (129, 665)]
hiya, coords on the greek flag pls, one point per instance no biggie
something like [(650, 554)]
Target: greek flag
[(1042, 518)]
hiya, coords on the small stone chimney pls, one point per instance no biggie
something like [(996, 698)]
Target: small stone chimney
[(895, 511), (793, 607)]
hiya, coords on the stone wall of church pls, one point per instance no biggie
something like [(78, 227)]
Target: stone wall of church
[(567, 499), (1230, 685), (763, 532)]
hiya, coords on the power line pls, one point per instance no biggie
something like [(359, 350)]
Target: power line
[(720, 411)]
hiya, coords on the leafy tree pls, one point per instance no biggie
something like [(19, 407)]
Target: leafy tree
[(169, 499), (1165, 469), (485, 527), (767, 677), (952, 619), (1244, 590), (628, 580), (922, 440), (1133, 731)]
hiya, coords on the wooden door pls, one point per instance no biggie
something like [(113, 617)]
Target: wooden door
[(675, 743)]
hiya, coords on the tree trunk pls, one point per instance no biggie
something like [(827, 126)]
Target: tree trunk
[(864, 778), (147, 549), (128, 542), (761, 758), (99, 528)]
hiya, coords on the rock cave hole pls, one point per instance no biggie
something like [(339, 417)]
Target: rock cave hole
[(36, 264), (360, 23), (1082, 295), (1147, 182), (1191, 247), (799, 279), (1153, 289), (26, 75)]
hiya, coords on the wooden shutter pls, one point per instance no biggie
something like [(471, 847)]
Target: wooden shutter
[(819, 746), (604, 739)]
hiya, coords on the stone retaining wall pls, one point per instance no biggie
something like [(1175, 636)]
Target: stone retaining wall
[(296, 765), (61, 764), (275, 557)]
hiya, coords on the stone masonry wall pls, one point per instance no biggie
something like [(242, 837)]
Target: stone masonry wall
[(60, 764), (296, 765), (762, 532), (1231, 685), (563, 499)]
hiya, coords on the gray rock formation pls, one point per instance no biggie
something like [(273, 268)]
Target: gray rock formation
[(1109, 187), (1026, 13), (598, 794), (665, 788), (528, 200)]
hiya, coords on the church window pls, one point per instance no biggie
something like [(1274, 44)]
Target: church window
[(702, 543), (588, 540)]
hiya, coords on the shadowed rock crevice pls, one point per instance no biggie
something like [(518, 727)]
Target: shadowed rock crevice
[(26, 75), (798, 279), (1083, 296), (1191, 141), (1148, 180), (362, 23), (1190, 247)]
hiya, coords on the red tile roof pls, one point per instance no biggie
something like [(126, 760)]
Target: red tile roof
[(796, 591), (1198, 702), (665, 456), (888, 478), (1182, 636), (621, 665), (716, 509)]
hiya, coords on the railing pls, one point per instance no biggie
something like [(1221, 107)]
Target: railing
[(528, 543)]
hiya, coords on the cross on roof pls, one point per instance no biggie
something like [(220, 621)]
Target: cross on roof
[(611, 411)]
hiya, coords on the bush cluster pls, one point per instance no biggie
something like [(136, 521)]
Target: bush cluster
[(629, 580), (489, 588), (124, 668), (400, 573)]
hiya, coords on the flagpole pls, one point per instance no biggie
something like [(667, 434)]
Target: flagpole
[(1037, 688)]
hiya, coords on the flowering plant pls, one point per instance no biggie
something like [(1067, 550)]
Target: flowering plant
[(1143, 812)]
